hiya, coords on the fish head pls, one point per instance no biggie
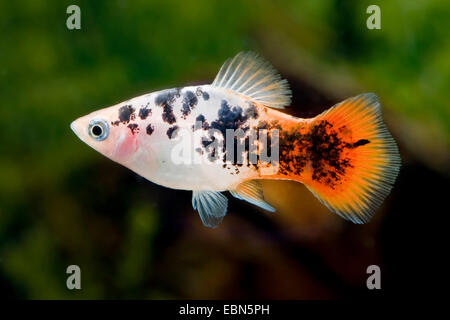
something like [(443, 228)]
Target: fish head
[(108, 131)]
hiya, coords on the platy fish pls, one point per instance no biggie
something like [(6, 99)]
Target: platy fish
[(230, 134)]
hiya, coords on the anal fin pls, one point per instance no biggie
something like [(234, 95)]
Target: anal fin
[(251, 191)]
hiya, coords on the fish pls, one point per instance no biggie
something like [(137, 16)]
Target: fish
[(180, 138)]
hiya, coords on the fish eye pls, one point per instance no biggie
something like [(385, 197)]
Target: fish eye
[(98, 129)]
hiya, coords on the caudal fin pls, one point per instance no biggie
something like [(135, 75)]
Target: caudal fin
[(357, 160)]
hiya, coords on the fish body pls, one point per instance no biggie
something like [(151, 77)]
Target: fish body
[(189, 138)]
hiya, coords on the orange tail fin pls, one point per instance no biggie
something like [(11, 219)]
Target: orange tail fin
[(357, 160)]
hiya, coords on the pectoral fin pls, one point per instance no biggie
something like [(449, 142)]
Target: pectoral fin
[(252, 192), (211, 206)]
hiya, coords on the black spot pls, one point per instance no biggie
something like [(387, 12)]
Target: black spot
[(209, 147), (144, 112), (252, 111), (167, 96), (205, 95), (166, 99), (321, 146), (228, 118), (170, 132), (326, 154), (126, 113), (200, 119), (189, 102), (133, 127), (150, 129), (360, 142), (206, 142), (115, 123), (168, 115)]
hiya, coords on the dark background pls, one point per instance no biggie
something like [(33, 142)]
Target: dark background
[(62, 203)]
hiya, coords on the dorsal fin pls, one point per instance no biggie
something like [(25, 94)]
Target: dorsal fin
[(252, 76)]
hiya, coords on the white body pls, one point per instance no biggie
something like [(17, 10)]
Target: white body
[(154, 157)]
